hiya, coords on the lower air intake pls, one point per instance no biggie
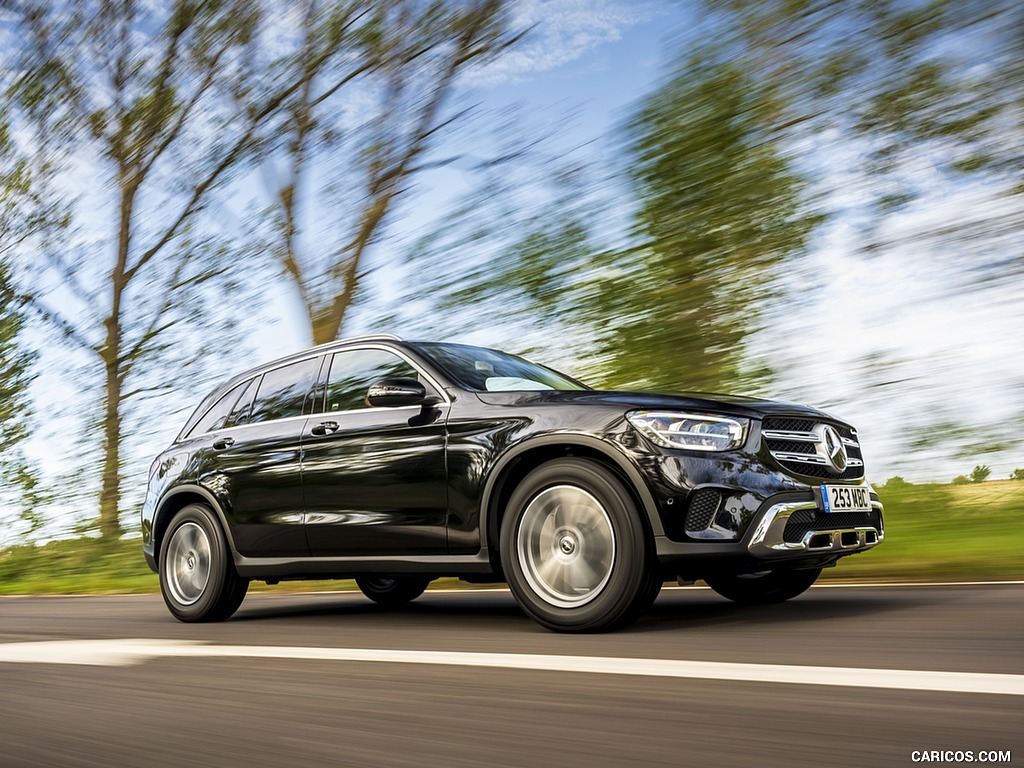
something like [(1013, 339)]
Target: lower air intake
[(703, 508)]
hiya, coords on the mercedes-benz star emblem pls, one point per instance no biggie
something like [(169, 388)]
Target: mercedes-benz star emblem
[(835, 450)]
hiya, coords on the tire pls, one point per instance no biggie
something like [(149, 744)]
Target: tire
[(574, 548), (197, 578), (763, 588), (653, 590), (392, 590)]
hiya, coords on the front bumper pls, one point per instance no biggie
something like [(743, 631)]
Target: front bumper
[(820, 539), (769, 539)]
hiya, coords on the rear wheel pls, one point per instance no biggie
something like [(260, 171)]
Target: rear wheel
[(763, 587), (197, 578), (574, 548), (392, 590)]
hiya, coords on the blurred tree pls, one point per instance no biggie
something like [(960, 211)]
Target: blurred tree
[(529, 229), (961, 480), (15, 364), (670, 304), (20, 219), (930, 92), (1017, 474), (980, 473), (718, 206), (400, 60), (153, 105)]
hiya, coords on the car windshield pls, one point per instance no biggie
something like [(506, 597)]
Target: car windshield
[(486, 370)]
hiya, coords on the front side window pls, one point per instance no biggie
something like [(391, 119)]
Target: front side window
[(487, 370), (353, 371), (283, 391)]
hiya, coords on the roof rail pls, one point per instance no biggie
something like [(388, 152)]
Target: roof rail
[(367, 337), (371, 336)]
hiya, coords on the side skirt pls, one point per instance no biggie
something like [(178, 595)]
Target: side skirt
[(350, 567)]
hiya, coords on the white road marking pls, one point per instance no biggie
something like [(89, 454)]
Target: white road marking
[(126, 652)]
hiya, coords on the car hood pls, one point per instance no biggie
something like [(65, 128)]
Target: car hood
[(738, 405)]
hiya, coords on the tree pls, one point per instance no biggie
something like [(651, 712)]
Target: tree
[(961, 480), (980, 473), (719, 206), (15, 376), (1017, 474), (403, 59), (902, 82), (20, 219), (158, 105)]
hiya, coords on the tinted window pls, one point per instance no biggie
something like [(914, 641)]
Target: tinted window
[(240, 413), (216, 417), (487, 370), (354, 371), (283, 391)]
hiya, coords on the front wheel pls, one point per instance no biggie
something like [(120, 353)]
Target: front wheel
[(392, 590), (763, 587), (197, 578), (574, 548)]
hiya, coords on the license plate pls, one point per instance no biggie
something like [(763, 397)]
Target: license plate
[(845, 498)]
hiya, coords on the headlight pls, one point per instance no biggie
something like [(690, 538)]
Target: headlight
[(695, 431)]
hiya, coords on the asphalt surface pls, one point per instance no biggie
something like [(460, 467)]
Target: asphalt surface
[(208, 711)]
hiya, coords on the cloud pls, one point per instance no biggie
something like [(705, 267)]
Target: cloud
[(562, 31)]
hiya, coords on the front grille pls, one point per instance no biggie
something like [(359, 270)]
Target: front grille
[(797, 445), (792, 446), (788, 425), (804, 520), (703, 506)]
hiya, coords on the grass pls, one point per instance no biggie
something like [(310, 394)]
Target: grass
[(945, 533), (932, 533)]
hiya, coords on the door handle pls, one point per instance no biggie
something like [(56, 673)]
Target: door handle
[(224, 442), (324, 427)]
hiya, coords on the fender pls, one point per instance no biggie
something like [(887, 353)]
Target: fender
[(584, 440), (197, 490)]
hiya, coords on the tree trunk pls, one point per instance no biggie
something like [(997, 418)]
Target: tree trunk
[(110, 490)]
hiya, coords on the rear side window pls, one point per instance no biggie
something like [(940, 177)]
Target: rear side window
[(243, 407), (283, 391), (217, 416), (353, 372)]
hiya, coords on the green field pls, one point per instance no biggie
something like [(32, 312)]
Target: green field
[(932, 533), (945, 533)]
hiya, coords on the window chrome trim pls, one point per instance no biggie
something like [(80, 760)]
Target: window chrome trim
[(259, 373)]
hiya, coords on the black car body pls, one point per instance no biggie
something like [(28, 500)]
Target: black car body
[(391, 462)]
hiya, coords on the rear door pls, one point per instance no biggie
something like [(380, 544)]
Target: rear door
[(252, 462), (374, 479)]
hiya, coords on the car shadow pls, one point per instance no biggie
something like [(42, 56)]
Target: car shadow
[(674, 610)]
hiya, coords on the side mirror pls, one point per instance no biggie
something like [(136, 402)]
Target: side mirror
[(391, 393)]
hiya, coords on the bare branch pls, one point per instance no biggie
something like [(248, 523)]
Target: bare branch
[(56, 320)]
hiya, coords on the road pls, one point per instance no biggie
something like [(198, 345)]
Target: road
[(248, 693)]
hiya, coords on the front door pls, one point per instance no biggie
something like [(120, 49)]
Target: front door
[(374, 479)]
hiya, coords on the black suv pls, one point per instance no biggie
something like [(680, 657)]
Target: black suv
[(396, 462)]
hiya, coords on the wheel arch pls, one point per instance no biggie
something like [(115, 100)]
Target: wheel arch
[(518, 462), (177, 499)]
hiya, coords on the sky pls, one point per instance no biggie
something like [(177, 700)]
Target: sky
[(595, 59)]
